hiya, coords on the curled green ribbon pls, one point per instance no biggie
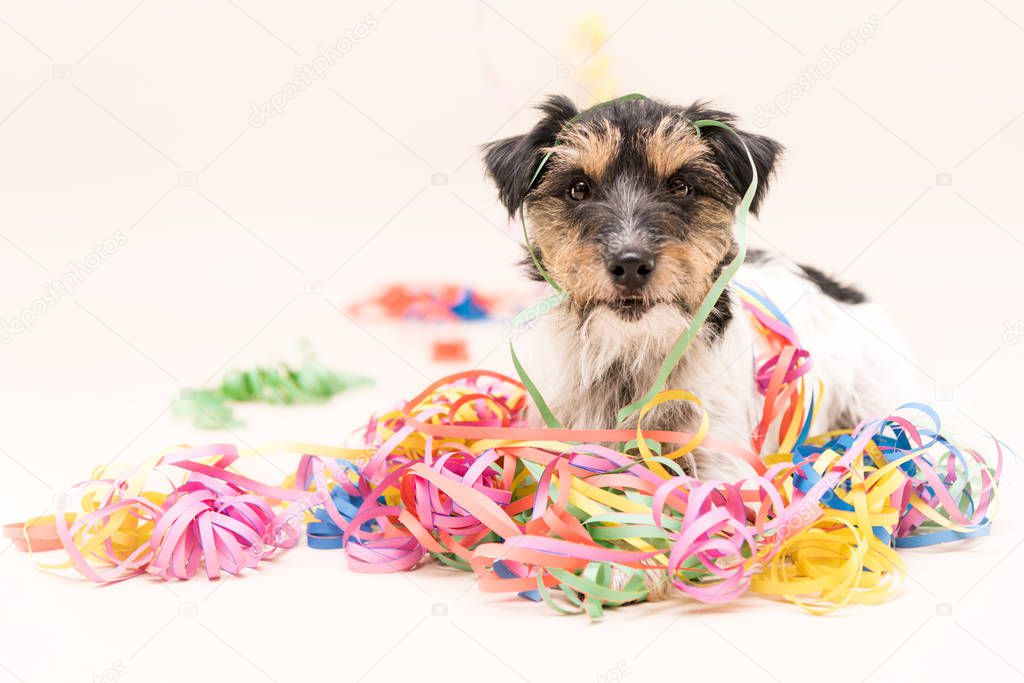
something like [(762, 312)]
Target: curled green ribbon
[(311, 382)]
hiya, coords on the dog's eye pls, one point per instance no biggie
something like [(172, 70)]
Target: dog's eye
[(680, 186), (579, 190)]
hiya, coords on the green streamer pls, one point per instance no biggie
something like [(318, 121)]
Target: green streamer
[(311, 382), (545, 412), (675, 354)]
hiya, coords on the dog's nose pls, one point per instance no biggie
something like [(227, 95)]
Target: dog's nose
[(631, 269)]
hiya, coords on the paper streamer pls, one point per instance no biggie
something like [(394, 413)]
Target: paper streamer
[(551, 514), (311, 382)]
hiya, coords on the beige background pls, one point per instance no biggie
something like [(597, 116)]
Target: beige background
[(134, 122)]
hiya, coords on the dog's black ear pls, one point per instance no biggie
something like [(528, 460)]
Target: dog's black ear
[(512, 162), (730, 155)]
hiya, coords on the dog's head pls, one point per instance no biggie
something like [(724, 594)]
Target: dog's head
[(634, 207)]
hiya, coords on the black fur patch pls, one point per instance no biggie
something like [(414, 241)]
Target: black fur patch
[(840, 292), (720, 316), (755, 255), (731, 156), (621, 383), (511, 162), (528, 264)]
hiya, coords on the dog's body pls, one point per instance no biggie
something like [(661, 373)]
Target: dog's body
[(632, 214), (588, 369)]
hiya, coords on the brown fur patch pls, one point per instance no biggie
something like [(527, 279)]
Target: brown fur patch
[(673, 144), (576, 264), (593, 149)]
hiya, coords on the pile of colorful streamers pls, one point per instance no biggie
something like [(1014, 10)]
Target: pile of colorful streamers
[(311, 382), (557, 515), (437, 303)]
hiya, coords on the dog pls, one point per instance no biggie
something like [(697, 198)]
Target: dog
[(633, 216)]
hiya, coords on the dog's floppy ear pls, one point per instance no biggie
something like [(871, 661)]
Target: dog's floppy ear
[(729, 152), (512, 162)]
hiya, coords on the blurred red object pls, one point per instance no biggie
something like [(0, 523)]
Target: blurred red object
[(450, 351)]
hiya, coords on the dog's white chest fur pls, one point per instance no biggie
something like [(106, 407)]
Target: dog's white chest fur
[(588, 369)]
